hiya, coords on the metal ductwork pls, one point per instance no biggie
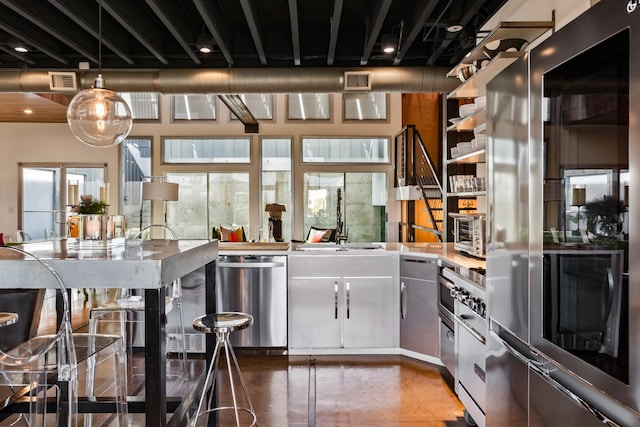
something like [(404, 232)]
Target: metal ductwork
[(241, 80)]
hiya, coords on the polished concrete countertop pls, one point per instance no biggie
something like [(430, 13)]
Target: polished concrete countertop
[(148, 263)]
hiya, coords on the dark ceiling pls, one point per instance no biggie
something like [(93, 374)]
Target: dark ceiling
[(157, 34)]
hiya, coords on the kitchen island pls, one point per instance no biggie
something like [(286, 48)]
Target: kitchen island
[(149, 265)]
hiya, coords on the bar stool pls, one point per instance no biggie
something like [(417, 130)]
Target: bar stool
[(222, 324)]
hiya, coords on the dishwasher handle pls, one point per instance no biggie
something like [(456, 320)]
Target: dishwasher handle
[(231, 264)]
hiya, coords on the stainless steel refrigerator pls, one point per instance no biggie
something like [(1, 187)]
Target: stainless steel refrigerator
[(563, 291)]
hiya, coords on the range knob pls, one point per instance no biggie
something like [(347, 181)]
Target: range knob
[(463, 295), (482, 308)]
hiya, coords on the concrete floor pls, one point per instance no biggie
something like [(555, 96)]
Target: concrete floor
[(323, 391)]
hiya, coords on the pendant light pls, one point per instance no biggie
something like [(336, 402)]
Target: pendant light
[(99, 117)]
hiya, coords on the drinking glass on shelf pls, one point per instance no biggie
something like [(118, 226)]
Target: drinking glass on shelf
[(257, 233)]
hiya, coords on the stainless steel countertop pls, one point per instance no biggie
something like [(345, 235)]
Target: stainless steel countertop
[(445, 251)]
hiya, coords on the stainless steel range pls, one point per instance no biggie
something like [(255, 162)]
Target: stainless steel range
[(470, 332)]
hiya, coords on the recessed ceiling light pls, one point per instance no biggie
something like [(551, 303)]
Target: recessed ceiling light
[(454, 28), (21, 49), (389, 43), (205, 49), (27, 111)]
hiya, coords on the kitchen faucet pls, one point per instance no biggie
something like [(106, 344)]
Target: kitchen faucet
[(340, 237)]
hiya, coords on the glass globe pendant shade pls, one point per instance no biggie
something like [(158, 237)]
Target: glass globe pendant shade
[(99, 117)]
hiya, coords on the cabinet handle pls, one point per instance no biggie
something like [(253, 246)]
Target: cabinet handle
[(335, 293), (348, 301), (403, 301), (450, 336)]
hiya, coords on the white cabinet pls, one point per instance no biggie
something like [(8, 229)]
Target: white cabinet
[(343, 302)]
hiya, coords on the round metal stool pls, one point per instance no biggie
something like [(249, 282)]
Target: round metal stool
[(222, 324)]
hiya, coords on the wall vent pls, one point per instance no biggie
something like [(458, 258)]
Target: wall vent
[(357, 80), (63, 81)]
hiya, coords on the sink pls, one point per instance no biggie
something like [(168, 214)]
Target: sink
[(335, 247)]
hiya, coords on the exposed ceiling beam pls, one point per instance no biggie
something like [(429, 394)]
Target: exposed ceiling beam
[(31, 37), (449, 37), (61, 32), (380, 9), (335, 28), (235, 104), (255, 28), (128, 15), (295, 31), (85, 13), (173, 17), (211, 13), (15, 54), (421, 14)]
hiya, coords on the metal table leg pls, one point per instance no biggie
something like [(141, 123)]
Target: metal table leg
[(155, 373)]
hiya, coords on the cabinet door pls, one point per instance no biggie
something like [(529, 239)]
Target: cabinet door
[(419, 316), (314, 312), (419, 305), (370, 312)]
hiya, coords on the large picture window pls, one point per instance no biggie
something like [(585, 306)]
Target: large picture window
[(363, 207)]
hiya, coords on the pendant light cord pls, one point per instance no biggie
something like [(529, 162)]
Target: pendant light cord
[(100, 37), (99, 81)]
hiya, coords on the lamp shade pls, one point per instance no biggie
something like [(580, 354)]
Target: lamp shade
[(160, 191), (99, 117)]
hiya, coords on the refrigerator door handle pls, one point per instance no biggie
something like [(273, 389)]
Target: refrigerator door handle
[(521, 357), (578, 400), (532, 359), (538, 367)]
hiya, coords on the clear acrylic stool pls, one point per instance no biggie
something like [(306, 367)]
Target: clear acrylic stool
[(222, 324)]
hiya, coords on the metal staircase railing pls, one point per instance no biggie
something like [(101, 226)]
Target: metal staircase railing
[(414, 166)]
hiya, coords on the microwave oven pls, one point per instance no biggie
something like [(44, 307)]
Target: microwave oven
[(469, 234)]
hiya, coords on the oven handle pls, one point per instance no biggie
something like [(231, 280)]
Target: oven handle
[(247, 265), (446, 282), (469, 328)]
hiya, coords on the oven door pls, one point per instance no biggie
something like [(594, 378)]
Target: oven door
[(445, 298), (583, 146)]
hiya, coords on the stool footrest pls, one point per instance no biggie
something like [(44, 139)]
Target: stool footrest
[(231, 408)]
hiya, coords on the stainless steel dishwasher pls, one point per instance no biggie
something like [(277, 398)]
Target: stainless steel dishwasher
[(255, 284)]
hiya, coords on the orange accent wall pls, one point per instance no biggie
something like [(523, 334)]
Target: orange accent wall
[(424, 111)]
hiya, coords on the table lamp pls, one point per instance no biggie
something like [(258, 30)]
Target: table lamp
[(156, 188)]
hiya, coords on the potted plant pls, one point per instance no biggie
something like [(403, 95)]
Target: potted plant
[(92, 214), (89, 205)]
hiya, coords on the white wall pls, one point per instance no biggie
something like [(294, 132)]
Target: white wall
[(33, 143)]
